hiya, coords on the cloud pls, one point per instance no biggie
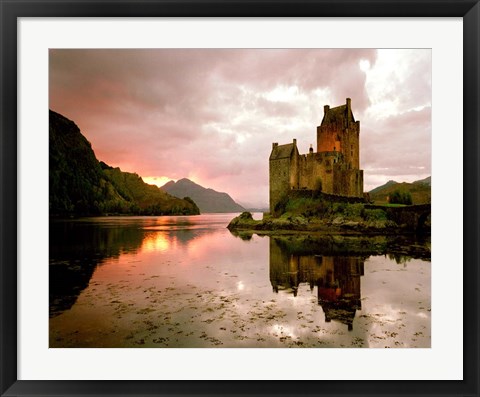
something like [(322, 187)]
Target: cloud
[(212, 114), (397, 147)]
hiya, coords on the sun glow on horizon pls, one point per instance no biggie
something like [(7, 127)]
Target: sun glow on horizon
[(157, 180)]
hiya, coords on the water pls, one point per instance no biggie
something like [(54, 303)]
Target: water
[(188, 282)]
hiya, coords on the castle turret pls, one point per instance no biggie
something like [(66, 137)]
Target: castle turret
[(339, 132)]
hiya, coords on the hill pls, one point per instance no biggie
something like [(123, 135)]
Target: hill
[(426, 181), (380, 188), (81, 185), (147, 199), (420, 191), (208, 200)]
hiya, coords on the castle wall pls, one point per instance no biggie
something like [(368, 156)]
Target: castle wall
[(311, 171), (307, 171), (347, 182), (294, 171), (319, 167), (280, 180), (351, 148), (328, 197)]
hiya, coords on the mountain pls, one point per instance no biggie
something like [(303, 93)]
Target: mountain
[(81, 185), (426, 181), (208, 200), (420, 191), (379, 188), (253, 209)]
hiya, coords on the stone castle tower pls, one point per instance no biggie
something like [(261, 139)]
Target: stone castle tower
[(334, 168)]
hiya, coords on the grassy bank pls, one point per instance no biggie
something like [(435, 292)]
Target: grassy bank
[(319, 215)]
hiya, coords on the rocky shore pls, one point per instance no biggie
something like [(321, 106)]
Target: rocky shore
[(297, 223)]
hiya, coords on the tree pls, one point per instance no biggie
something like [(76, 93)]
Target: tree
[(400, 197)]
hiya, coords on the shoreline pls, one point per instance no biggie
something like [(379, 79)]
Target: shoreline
[(301, 225)]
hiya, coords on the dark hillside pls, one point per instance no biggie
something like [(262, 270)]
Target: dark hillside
[(80, 185), (77, 183)]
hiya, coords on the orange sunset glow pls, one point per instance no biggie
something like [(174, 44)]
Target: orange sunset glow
[(156, 180)]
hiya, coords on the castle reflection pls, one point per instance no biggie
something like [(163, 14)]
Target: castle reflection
[(337, 277)]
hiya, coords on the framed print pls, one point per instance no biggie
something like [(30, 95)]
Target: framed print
[(236, 194)]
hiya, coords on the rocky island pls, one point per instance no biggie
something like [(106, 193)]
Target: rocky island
[(322, 216)]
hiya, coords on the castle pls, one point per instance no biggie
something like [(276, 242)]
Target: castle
[(333, 169)]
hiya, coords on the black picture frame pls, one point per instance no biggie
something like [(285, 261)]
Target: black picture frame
[(10, 10)]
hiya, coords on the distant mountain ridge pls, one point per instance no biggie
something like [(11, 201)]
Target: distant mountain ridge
[(426, 181), (208, 200), (420, 191), (379, 188)]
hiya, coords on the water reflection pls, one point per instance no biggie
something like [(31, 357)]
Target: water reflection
[(75, 250), (400, 258), (157, 241), (339, 288), (77, 247), (187, 282), (337, 278)]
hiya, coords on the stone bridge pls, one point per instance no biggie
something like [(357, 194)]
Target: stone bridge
[(413, 216)]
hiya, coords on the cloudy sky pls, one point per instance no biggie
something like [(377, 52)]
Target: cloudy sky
[(212, 115)]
